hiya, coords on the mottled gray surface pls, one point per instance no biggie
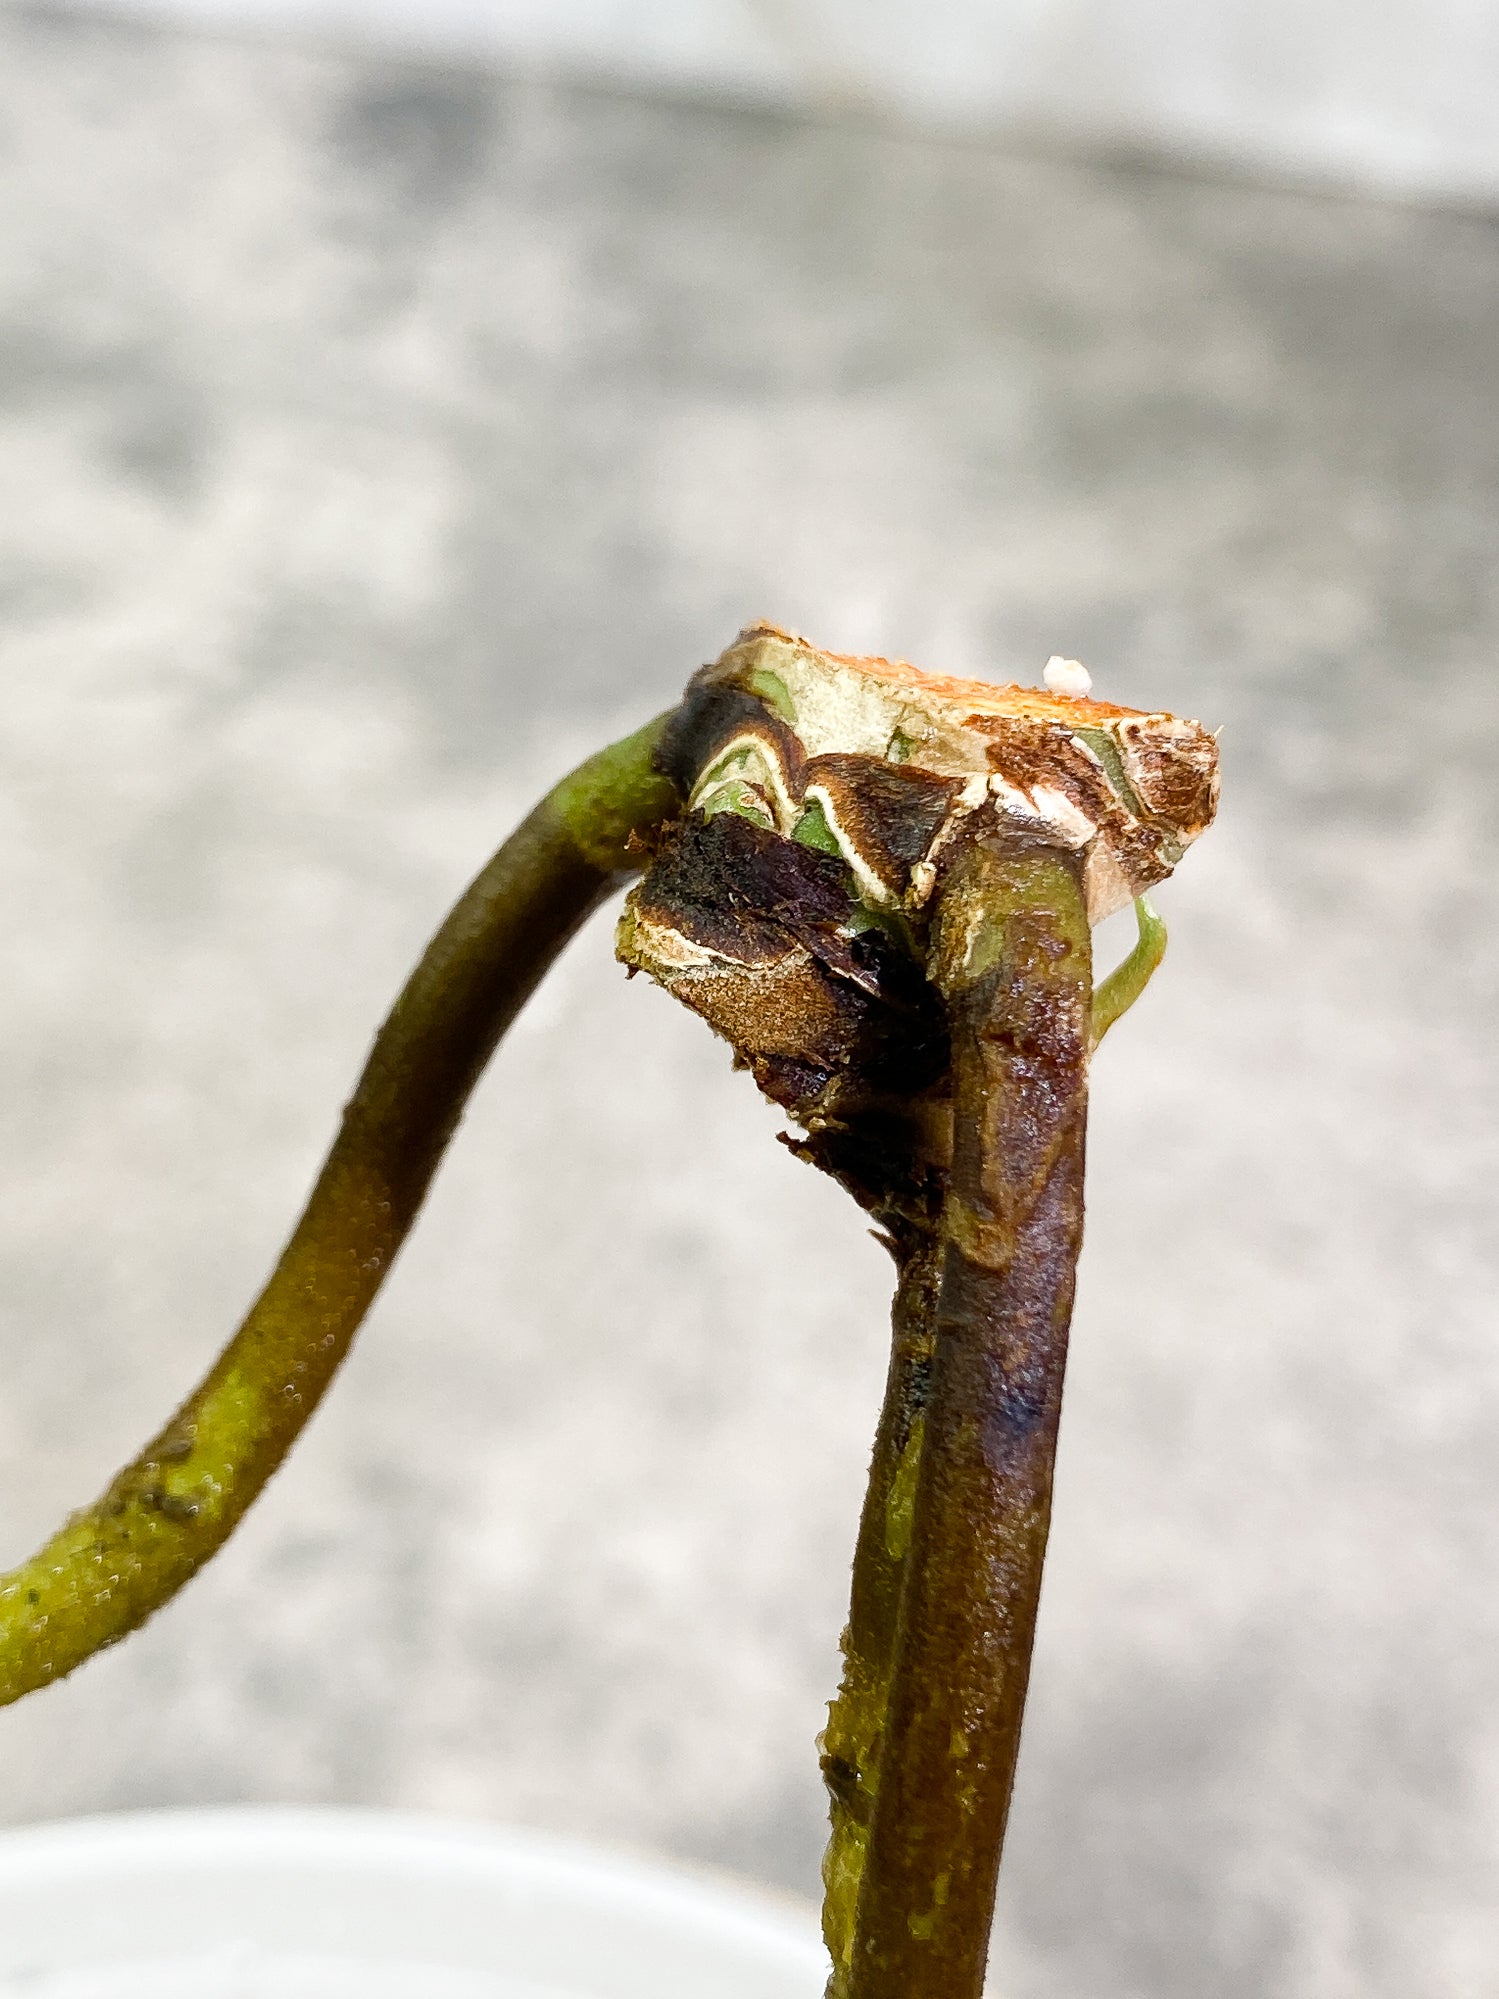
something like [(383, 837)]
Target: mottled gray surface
[(376, 439), (1400, 97)]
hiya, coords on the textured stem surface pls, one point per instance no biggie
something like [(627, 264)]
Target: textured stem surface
[(856, 1719), (112, 1564), (1011, 954)]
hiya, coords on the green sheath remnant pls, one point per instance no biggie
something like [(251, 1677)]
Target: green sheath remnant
[(113, 1563)]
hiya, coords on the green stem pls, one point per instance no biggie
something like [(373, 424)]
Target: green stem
[(115, 1562), (1012, 957), (856, 1719)]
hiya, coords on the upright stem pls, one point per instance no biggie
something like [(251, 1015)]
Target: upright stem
[(856, 1719), (1011, 955), (112, 1564)]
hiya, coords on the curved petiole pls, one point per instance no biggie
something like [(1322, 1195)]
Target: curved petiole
[(113, 1563)]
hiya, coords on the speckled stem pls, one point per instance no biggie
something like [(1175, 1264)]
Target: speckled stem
[(112, 1564), (1012, 956), (856, 1719)]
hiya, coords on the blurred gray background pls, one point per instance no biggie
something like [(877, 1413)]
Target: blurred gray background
[(382, 430)]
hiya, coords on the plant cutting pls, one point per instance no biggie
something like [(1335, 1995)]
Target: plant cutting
[(879, 886)]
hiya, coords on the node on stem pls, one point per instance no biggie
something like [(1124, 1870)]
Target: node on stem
[(881, 895)]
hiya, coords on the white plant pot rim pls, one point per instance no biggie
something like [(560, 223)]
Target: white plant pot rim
[(283, 1902)]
